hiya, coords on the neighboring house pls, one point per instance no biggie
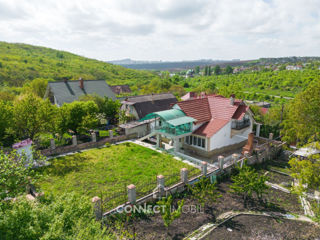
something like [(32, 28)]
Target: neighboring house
[(120, 89), (190, 73), (193, 95), (68, 91), (292, 67), (207, 126), (137, 107)]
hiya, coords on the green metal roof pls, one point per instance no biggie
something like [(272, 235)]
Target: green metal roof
[(166, 115), (181, 120)]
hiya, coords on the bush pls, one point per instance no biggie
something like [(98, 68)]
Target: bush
[(66, 217)]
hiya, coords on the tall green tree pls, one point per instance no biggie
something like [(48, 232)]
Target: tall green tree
[(302, 122), (217, 70), (33, 115), (78, 117), (6, 117), (229, 69)]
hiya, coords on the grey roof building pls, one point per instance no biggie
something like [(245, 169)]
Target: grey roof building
[(69, 91), (140, 106)]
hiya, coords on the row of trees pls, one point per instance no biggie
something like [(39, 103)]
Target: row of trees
[(28, 116)]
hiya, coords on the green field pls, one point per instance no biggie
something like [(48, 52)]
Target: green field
[(107, 171)]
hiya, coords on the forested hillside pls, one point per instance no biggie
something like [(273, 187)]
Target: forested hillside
[(21, 62)]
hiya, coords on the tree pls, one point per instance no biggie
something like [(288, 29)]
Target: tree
[(247, 182), (109, 108), (229, 69), (302, 123), (15, 173), (177, 90), (204, 191), (32, 115), (6, 116), (217, 70), (197, 69), (166, 212), (38, 86), (78, 117), (306, 171)]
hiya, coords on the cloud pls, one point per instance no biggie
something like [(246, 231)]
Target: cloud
[(166, 29)]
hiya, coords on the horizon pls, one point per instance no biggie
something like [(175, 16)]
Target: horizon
[(166, 31)]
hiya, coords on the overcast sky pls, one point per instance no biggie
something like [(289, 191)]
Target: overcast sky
[(166, 29)]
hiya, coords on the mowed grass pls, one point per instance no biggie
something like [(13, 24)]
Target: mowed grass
[(107, 171)]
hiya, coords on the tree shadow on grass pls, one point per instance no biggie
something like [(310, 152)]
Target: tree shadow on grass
[(61, 167)]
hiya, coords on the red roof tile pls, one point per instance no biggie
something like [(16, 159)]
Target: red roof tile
[(210, 128), (215, 111), (197, 109)]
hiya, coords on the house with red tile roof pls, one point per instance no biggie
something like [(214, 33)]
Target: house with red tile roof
[(209, 125)]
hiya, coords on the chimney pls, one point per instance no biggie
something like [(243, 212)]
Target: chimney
[(232, 97), (81, 83)]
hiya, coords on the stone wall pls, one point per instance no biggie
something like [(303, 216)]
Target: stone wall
[(82, 146)]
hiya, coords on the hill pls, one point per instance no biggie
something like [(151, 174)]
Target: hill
[(21, 62)]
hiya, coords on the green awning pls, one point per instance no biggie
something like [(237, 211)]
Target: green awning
[(165, 115), (181, 120)]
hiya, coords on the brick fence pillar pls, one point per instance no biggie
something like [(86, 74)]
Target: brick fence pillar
[(97, 207), (184, 175), (270, 136), (52, 144), (204, 168), (160, 183), (94, 137), (74, 140), (235, 157), (132, 195), (221, 162)]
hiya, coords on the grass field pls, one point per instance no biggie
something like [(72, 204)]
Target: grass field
[(107, 171)]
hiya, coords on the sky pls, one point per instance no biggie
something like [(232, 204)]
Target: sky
[(166, 29)]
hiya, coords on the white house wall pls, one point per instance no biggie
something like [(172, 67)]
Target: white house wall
[(222, 137)]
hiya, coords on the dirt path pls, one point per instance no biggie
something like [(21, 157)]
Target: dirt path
[(206, 229)]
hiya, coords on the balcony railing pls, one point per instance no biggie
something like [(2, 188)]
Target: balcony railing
[(237, 125)]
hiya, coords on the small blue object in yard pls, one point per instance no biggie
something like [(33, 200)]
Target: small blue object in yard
[(213, 178)]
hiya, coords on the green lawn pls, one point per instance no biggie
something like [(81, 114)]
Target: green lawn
[(107, 171)]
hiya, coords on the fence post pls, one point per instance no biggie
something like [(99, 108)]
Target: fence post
[(184, 175), (221, 162), (52, 144), (97, 207), (94, 137), (110, 133), (235, 157), (270, 136), (132, 193), (160, 183), (204, 168), (74, 140)]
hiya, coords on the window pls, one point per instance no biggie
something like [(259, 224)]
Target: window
[(196, 141)]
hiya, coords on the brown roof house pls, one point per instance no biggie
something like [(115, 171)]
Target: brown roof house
[(69, 91), (208, 126), (137, 107)]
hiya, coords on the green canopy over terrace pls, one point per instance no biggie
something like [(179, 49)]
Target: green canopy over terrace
[(173, 122)]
